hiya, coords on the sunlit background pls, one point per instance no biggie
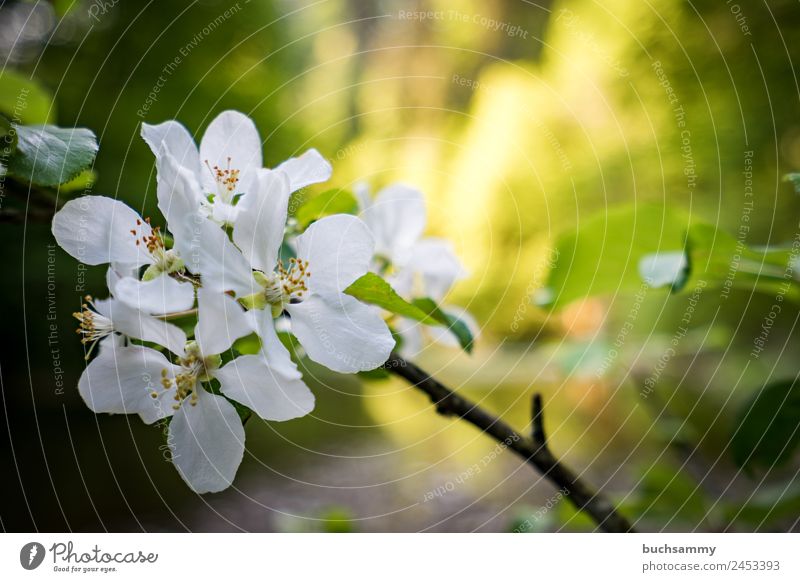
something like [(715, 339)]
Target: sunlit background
[(519, 121)]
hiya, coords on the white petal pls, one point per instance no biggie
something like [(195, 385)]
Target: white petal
[(411, 333), (662, 269), (341, 333), (261, 221), (435, 260), (156, 297), (178, 140), (362, 194), (222, 266), (117, 271), (224, 213), (338, 249), (179, 199), (220, 322), (207, 442), (97, 230), (130, 321), (397, 219), (231, 135), (309, 168), (122, 380), (258, 382)]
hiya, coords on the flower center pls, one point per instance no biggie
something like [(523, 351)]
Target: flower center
[(164, 260), (92, 326), (195, 368), (227, 180), (281, 287)]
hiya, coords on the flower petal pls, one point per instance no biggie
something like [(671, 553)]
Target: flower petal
[(178, 141), (435, 260), (133, 323), (220, 322), (231, 141), (97, 230), (156, 297), (179, 199), (397, 219), (122, 380), (261, 383), (411, 333), (341, 333), (279, 393), (262, 219), (223, 213), (338, 249), (362, 194), (207, 442), (210, 253), (309, 168)]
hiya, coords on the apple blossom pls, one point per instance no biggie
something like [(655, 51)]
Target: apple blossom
[(415, 265), (226, 163)]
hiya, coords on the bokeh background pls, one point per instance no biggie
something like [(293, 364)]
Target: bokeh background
[(519, 120)]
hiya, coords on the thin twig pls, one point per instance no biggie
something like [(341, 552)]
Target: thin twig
[(535, 450), (537, 420)]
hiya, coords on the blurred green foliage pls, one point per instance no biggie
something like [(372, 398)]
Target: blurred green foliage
[(516, 141)]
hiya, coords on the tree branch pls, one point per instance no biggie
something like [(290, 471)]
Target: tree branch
[(534, 450)]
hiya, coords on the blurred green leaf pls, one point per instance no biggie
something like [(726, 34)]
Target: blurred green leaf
[(337, 520), (24, 100), (667, 494), (329, 202), (8, 139), (767, 429), (249, 344), (616, 252), (794, 179), (601, 256), (575, 520), (47, 155), (374, 375), (769, 503), (286, 252), (713, 253)]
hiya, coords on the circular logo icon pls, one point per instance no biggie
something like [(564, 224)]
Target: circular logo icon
[(31, 555)]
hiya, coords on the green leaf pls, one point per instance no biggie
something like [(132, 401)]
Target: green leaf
[(329, 202), (618, 251), (47, 155), (794, 178), (770, 502), (337, 519), (374, 290), (666, 493), (767, 430), (375, 375), (8, 139), (24, 100), (249, 344), (83, 181), (451, 322), (721, 260), (602, 255)]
